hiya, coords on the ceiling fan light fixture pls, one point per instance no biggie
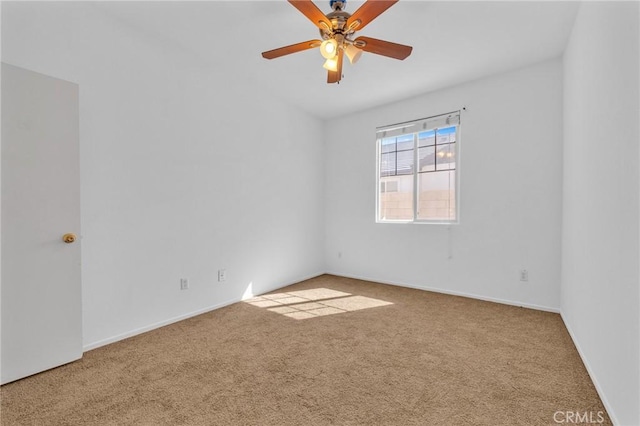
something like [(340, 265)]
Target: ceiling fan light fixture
[(353, 53), (331, 64), (329, 48)]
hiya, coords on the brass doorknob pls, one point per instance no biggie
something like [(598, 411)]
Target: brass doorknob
[(69, 238)]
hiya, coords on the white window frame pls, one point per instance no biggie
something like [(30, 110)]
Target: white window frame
[(380, 131)]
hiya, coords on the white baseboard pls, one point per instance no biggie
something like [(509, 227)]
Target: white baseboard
[(596, 384), (288, 283), (153, 326), (150, 327), (454, 293), (159, 324), (163, 323), (601, 393)]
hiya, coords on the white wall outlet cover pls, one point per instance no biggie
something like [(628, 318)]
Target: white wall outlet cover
[(184, 283)]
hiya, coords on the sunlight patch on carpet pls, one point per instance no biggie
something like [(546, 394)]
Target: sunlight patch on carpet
[(314, 303)]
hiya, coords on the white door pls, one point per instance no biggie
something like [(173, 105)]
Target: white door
[(41, 295)]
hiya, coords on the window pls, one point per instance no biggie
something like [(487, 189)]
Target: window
[(417, 170)]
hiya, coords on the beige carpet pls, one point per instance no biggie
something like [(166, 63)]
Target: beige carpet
[(347, 352)]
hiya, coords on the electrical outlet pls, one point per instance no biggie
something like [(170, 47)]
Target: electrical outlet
[(222, 275), (524, 275), (184, 283)]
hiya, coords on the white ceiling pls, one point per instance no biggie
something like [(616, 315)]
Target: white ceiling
[(452, 41)]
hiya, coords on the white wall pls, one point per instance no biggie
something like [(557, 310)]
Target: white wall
[(184, 170), (600, 278), (510, 184)]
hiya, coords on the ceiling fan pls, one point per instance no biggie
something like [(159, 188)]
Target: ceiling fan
[(337, 31)]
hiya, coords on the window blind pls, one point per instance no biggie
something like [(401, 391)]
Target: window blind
[(438, 121)]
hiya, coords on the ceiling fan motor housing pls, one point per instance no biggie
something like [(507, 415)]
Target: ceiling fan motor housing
[(338, 20)]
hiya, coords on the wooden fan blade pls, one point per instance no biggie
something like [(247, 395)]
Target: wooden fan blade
[(311, 11), (384, 48), (287, 50), (336, 76), (368, 12)]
